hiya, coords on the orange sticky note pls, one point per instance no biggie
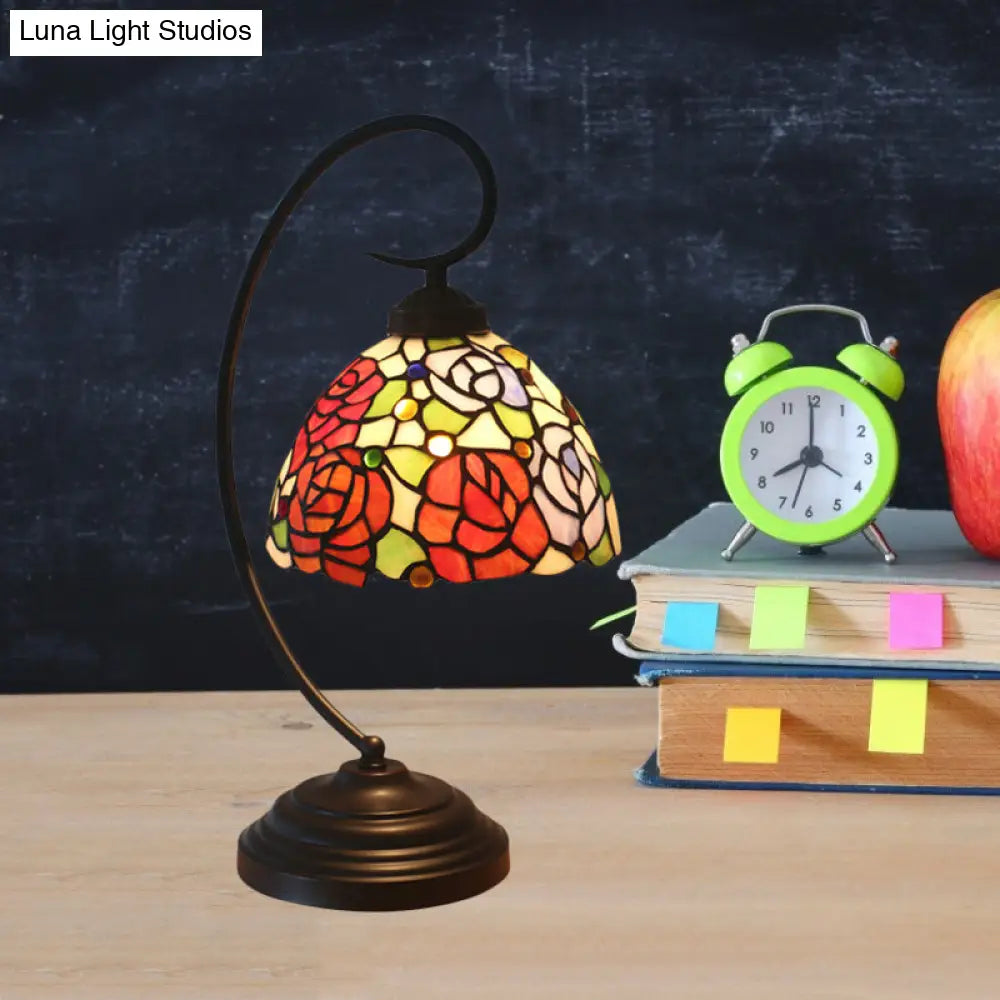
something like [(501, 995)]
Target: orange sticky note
[(752, 736)]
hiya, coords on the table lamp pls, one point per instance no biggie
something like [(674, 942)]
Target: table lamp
[(442, 453)]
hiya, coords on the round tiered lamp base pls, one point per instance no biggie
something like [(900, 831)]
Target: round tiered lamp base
[(373, 837)]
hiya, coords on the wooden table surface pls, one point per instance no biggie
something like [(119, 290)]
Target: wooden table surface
[(117, 863)]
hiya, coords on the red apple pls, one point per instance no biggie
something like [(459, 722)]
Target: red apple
[(968, 405)]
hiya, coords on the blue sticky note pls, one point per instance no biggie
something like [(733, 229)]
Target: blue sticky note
[(690, 624)]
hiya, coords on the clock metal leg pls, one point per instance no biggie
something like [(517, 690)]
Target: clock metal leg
[(746, 532), (877, 539)]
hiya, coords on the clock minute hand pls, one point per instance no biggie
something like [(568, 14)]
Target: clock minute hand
[(788, 468)]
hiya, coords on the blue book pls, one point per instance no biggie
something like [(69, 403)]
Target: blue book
[(794, 726)]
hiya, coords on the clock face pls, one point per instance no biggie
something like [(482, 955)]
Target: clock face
[(809, 454)]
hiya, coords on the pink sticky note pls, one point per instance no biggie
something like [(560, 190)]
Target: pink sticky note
[(916, 621)]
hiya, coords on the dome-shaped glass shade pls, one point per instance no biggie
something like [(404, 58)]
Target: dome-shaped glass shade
[(453, 459)]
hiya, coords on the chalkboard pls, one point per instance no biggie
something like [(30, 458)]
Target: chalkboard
[(668, 173)]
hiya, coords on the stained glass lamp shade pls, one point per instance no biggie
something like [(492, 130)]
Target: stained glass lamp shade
[(449, 458), (441, 453)]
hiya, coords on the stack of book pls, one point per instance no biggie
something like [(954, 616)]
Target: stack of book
[(829, 670)]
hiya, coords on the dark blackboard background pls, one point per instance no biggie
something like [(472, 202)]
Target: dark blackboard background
[(668, 173)]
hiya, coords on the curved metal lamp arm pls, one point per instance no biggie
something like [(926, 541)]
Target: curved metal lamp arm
[(371, 748)]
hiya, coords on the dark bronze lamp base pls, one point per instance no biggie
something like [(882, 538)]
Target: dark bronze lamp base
[(373, 837)]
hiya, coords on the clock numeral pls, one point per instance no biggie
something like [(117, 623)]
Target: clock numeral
[(767, 427), (809, 511), (786, 407), (782, 504), (842, 409), (861, 430), (836, 504), (868, 458), (814, 399), (857, 486), (753, 453), (761, 482)]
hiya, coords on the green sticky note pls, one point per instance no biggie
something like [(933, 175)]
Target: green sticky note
[(899, 715), (779, 617)]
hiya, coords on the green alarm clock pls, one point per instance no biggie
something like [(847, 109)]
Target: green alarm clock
[(809, 454)]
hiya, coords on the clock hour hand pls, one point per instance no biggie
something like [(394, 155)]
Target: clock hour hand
[(798, 489), (788, 468)]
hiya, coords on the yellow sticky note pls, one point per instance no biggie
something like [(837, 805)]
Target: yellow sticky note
[(752, 736), (779, 617), (899, 715)]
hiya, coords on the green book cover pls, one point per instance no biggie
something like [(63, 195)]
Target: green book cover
[(932, 555)]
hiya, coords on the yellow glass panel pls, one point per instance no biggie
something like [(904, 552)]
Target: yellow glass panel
[(484, 432), (382, 349), (517, 422), (409, 464), (420, 390), (602, 479), (414, 348), (439, 343), (547, 386), (386, 398), (288, 486), (611, 513), (410, 432), (404, 501), (553, 562), (393, 366), (545, 414), (514, 357), (603, 552), (396, 552), (284, 466), (438, 417), (376, 434)]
